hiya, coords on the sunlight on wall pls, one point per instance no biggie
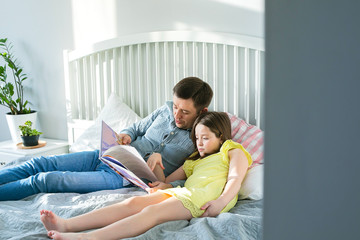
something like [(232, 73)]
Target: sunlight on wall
[(255, 5), (98, 20), (93, 21), (187, 27)]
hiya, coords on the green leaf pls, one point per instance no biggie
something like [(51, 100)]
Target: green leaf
[(3, 75), (26, 110), (11, 65), (2, 97), (27, 131), (10, 87)]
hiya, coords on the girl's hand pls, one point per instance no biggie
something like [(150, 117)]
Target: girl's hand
[(212, 208), (123, 139), (153, 160), (158, 185)]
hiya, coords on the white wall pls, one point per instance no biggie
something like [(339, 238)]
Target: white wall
[(312, 120), (41, 29), (114, 18)]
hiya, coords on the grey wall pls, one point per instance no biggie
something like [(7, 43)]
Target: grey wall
[(312, 120)]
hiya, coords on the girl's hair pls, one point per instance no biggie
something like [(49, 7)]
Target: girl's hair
[(218, 123)]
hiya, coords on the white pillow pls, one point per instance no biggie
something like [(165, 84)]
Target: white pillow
[(253, 185), (116, 114)]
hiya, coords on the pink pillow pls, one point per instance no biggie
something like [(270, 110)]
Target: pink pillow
[(250, 137)]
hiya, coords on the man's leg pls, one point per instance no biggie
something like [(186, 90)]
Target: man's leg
[(54, 182), (80, 161)]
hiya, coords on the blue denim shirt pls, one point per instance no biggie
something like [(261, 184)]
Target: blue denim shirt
[(158, 133)]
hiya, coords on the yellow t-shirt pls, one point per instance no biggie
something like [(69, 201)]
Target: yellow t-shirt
[(206, 179)]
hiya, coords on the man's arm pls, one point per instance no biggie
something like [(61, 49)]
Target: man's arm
[(123, 139), (139, 128), (159, 173)]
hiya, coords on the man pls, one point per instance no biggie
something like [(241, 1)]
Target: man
[(162, 139)]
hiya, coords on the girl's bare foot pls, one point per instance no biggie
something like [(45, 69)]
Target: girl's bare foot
[(51, 221), (67, 236)]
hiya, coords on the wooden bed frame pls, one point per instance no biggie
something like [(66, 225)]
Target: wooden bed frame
[(143, 68)]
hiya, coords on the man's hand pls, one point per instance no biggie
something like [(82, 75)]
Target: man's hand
[(158, 185), (212, 208), (153, 160), (123, 139)]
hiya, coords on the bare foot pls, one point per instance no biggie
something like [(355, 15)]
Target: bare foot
[(67, 236), (51, 221)]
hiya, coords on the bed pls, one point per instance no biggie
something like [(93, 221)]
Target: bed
[(122, 80)]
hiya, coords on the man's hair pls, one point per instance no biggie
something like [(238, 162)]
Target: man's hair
[(196, 89), (218, 123)]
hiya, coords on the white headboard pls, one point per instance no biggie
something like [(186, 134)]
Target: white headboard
[(143, 68)]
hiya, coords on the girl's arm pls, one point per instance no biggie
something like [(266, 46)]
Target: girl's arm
[(178, 174), (237, 170)]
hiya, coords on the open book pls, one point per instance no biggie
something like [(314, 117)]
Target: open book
[(123, 159)]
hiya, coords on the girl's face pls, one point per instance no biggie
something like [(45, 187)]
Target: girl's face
[(206, 141)]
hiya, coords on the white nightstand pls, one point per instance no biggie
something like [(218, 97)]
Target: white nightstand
[(9, 151)]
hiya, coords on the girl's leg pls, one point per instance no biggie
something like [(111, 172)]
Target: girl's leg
[(134, 225), (80, 161), (101, 217)]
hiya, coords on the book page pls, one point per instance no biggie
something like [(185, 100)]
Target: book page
[(125, 173), (108, 138), (131, 159)]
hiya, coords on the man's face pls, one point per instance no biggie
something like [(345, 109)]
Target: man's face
[(184, 112)]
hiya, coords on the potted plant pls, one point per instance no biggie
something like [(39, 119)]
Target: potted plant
[(12, 93), (29, 136)]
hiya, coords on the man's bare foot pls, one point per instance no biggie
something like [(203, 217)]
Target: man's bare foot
[(51, 221), (67, 236)]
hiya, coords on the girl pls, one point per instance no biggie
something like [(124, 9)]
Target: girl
[(214, 174)]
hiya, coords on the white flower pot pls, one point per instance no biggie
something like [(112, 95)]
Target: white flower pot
[(14, 121)]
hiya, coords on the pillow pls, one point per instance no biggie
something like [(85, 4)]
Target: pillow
[(116, 114), (250, 137), (252, 186)]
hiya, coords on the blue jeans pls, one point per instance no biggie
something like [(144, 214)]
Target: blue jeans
[(80, 172)]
